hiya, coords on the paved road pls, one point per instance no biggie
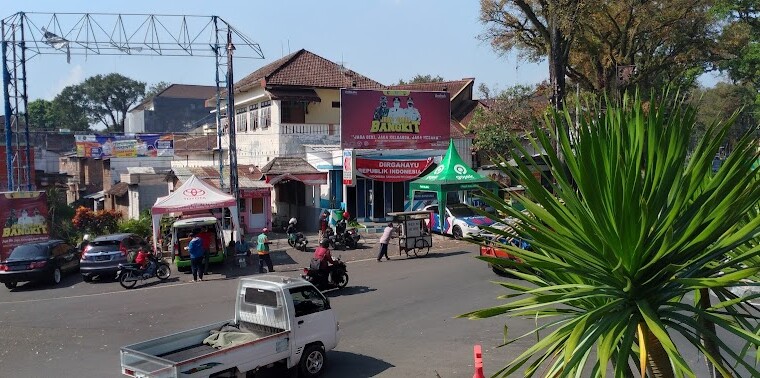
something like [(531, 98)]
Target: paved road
[(397, 318)]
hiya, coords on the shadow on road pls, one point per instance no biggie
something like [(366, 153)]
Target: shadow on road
[(350, 290), (67, 281), (353, 365), (340, 365), (435, 255), (150, 282)]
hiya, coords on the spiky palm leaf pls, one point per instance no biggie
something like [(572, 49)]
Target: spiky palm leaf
[(632, 224)]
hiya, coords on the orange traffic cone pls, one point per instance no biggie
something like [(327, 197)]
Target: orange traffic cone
[(478, 363)]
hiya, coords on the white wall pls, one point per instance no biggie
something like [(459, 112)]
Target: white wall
[(135, 122), (46, 161)]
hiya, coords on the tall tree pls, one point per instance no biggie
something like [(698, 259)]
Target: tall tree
[(508, 113), (70, 109), (605, 45), (156, 88), (41, 115), (419, 78), (721, 101), (109, 97), (741, 40)]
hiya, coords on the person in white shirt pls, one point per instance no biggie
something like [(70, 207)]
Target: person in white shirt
[(395, 113), (384, 240), (411, 112)]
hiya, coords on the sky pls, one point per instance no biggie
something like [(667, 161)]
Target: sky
[(385, 40)]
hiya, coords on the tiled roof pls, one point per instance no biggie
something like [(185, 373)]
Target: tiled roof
[(293, 165), (198, 92), (196, 144), (453, 87), (248, 176), (305, 69), (118, 189)]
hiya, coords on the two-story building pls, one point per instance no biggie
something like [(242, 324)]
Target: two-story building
[(291, 108), (178, 108)]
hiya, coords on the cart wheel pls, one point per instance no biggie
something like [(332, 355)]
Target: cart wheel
[(421, 247)]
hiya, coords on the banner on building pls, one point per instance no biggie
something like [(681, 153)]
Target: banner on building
[(393, 119), (24, 219), (392, 170), (349, 168), (125, 146)]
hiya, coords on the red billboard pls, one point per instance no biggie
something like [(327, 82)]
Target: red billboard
[(394, 119), (392, 170), (24, 219)]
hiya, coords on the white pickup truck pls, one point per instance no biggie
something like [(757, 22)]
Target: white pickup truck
[(278, 320)]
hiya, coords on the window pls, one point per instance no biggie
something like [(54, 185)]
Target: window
[(241, 119), (29, 251), (462, 211), (336, 104), (308, 300), (293, 112), (253, 115), (260, 296), (60, 249), (266, 115)]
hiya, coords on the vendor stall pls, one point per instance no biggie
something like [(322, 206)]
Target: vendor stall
[(452, 175), (194, 195), (413, 234)]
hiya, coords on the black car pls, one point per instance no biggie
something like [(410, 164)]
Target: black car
[(104, 254), (40, 261)]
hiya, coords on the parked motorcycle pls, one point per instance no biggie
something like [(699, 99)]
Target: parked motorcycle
[(130, 273), (298, 241), (351, 238), (336, 241), (338, 278)]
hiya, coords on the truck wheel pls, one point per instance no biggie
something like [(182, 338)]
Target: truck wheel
[(313, 361)]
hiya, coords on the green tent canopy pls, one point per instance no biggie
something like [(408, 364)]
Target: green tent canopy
[(452, 175)]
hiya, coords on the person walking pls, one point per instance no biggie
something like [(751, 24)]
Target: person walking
[(262, 248), (197, 253), (384, 240)]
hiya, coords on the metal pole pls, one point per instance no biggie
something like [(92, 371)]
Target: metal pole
[(231, 120), (25, 101), (218, 106), (7, 98)]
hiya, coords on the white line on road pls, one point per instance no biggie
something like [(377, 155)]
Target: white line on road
[(168, 285)]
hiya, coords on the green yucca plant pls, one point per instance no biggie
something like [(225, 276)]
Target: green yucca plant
[(632, 224)]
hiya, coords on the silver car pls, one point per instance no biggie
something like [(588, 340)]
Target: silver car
[(104, 254)]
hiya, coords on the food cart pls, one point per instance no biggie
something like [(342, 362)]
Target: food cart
[(413, 233)]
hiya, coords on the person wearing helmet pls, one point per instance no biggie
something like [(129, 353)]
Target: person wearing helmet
[(291, 230), (84, 243), (323, 257)]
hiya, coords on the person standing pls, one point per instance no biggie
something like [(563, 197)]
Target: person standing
[(384, 240), (262, 248), (195, 248), (322, 225)]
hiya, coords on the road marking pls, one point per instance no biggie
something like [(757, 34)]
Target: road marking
[(97, 294), (191, 283)]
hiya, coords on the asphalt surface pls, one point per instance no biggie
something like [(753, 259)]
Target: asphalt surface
[(397, 317)]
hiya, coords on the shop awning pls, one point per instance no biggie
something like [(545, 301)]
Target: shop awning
[(297, 94)]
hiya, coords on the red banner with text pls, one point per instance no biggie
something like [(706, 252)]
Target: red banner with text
[(392, 170), (24, 217)]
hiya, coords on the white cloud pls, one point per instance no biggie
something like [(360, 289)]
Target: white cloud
[(74, 76)]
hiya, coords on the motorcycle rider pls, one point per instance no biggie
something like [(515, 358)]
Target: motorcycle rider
[(291, 230), (145, 261), (323, 258)]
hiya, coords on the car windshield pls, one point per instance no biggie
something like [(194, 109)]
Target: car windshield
[(29, 251), (462, 211)]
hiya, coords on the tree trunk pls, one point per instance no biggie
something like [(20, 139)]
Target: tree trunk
[(707, 342), (657, 361)]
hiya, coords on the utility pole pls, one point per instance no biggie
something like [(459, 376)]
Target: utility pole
[(231, 121)]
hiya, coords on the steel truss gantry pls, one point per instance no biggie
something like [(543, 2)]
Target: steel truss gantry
[(28, 34)]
